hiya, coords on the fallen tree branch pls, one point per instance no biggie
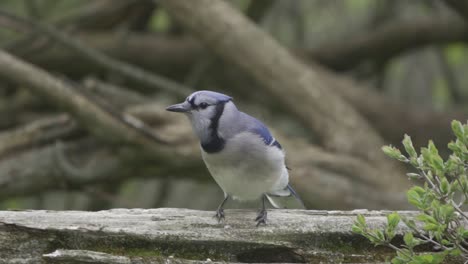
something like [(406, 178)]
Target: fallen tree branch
[(149, 236), (388, 41)]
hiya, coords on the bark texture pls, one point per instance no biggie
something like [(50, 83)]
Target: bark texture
[(186, 236)]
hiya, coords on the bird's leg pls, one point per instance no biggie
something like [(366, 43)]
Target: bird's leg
[(220, 211), (262, 215)]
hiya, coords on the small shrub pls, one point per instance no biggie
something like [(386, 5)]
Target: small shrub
[(441, 221)]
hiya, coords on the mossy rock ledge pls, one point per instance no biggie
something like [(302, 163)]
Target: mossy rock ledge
[(170, 235)]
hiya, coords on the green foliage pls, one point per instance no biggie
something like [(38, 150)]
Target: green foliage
[(455, 53), (441, 222), (160, 21)]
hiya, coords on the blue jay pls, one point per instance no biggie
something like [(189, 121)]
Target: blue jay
[(245, 160)]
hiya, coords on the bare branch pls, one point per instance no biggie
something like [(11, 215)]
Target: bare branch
[(388, 41), (37, 133), (117, 96), (125, 69), (105, 124)]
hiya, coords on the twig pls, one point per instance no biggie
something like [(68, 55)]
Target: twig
[(37, 133), (117, 95), (72, 20), (105, 124), (459, 211)]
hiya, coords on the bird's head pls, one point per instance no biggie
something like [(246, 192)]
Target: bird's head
[(203, 108)]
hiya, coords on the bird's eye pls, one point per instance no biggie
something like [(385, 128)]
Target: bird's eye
[(203, 105)]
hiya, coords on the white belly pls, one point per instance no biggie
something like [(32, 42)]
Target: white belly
[(246, 168)]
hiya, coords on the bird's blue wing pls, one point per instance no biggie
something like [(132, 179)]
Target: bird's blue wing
[(260, 129)]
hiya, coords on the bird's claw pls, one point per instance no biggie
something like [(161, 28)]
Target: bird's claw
[(261, 217), (219, 215)]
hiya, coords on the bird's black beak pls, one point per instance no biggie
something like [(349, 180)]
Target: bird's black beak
[(181, 108)]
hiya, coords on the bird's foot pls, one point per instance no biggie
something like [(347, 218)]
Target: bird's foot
[(261, 217), (219, 215)]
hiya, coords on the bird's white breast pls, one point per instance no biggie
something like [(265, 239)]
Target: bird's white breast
[(247, 168)]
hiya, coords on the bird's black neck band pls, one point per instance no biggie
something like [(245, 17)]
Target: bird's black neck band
[(215, 143)]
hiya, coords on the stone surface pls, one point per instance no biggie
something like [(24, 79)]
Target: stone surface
[(179, 235)]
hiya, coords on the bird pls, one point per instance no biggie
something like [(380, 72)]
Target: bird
[(241, 154)]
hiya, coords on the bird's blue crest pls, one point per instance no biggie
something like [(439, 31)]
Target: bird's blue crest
[(208, 96)]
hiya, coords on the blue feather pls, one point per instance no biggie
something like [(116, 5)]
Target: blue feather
[(217, 96), (260, 129)]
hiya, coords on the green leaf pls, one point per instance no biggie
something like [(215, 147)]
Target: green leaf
[(361, 220), (414, 176), (465, 234), (409, 222), (459, 148), (455, 252), (438, 258), (380, 235), (393, 219), (356, 229), (426, 218), (434, 159), (447, 212), (431, 227), (408, 144), (426, 155), (424, 259), (453, 146), (458, 130), (398, 260), (408, 238), (434, 258), (393, 152), (415, 198), (419, 189), (445, 242), (445, 186), (432, 148)]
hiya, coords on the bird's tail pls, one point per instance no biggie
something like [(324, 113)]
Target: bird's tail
[(287, 198)]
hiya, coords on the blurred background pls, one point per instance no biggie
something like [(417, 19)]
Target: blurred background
[(401, 65)]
